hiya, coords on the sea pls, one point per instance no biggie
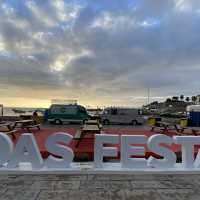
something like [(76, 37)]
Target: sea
[(17, 111)]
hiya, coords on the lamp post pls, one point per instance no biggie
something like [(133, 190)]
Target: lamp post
[(1, 106), (148, 98)]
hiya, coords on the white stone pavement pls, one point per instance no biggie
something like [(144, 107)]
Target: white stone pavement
[(97, 187)]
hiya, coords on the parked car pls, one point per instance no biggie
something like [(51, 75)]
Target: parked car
[(122, 116), (58, 114)]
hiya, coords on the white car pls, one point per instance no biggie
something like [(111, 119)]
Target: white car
[(122, 116)]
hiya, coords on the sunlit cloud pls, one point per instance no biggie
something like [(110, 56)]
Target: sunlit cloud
[(40, 14), (59, 64), (2, 46), (150, 22), (188, 5)]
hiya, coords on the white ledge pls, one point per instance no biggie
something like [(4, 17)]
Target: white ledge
[(107, 168)]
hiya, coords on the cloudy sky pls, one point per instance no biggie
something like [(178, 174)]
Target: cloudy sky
[(98, 51)]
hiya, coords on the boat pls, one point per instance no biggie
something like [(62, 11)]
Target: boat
[(18, 111)]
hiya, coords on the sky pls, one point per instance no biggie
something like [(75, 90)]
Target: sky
[(99, 52)]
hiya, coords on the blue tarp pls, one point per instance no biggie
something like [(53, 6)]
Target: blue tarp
[(194, 118)]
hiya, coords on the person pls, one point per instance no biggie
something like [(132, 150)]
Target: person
[(35, 114)]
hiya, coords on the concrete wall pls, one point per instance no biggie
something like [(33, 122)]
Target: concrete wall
[(97, 187)]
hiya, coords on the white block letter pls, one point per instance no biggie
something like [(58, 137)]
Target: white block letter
[(53, 146), (187, 143), (127, 151), (6, 148), (26, 150), (100, 151), (169, 157), (197, 160)]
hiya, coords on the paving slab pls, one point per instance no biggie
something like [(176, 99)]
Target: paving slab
[(111, 187)]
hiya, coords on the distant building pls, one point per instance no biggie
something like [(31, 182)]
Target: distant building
[(170, 105), (198, 99)]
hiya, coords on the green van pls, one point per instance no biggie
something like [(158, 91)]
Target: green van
[(58, 114)]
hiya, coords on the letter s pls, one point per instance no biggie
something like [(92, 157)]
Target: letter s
[(169, 159), (65, 152)]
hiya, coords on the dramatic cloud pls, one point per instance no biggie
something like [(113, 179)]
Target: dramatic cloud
[(100, 52)]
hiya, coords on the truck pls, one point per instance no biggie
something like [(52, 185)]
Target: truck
[(122, 116), (61, 113)]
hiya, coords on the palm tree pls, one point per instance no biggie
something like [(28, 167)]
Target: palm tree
[(194, 98), (175, 98), (187, 99), (168, 100), (181, 97)]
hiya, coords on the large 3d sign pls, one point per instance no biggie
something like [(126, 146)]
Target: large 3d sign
[(132, 151)]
